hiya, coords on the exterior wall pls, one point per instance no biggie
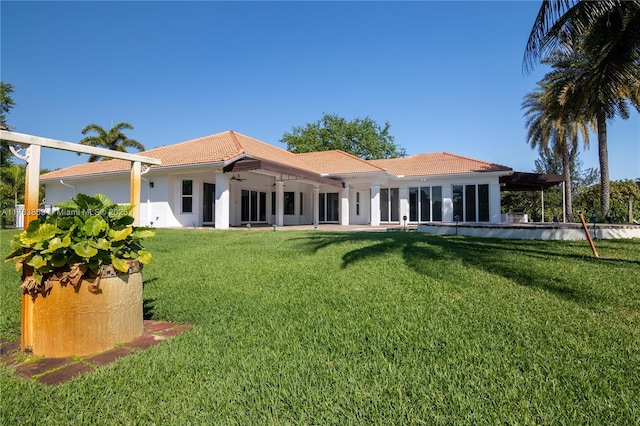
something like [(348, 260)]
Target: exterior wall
[(543, 231), (447, 184), (161, 196)]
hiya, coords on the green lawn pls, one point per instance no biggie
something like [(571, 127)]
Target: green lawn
[(363, 328)]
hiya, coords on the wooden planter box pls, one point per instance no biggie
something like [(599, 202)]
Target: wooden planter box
[(75, 320)]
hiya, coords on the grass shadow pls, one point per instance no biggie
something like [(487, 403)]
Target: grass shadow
[(510, 259)]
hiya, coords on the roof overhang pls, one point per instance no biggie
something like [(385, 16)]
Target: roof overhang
[(251, 165), (520, 181)]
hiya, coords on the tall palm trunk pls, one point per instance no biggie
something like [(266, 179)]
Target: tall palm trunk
[(603, 155), (566, 170)]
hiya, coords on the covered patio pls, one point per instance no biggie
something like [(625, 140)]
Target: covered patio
[(521, 181)]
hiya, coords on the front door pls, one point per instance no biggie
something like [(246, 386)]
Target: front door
[(209, 207)]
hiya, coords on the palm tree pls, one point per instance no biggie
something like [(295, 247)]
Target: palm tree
[(585, 92), (607, 33), (552, 128), (611, 28), (113, 139)]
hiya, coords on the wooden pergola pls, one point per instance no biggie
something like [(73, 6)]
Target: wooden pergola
[(32, 184), (32, 178)]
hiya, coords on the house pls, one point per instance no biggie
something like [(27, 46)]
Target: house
[(229, 179)]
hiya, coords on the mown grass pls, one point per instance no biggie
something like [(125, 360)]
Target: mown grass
[(363, 328)]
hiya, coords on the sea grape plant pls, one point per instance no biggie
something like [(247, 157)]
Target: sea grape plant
[(80, 238)]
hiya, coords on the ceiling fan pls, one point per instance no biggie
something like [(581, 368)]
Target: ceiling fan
[(239, 179)]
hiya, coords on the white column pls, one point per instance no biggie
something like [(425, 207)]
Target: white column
[(222, 201), (375, 204), (280, 203), (494, 203), (344, 208), (404, 204), (316, 204)]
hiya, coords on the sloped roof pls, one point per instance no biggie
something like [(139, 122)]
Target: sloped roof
[(440, 163), (338, 162), (225, 147), (216, 148)]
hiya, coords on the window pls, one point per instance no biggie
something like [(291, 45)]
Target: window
[(457, 199), (436, 203), (253, 206), (322, 209), (384, 204), (328, 204), (425, 204), (301, 203), (357, 204), (413, 204), (263, 207), (289, 203), (483, 203), (390, 204), (273, 203), (187, 196), (471, 203)]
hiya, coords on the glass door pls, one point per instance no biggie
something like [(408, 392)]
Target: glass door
[(209, 207)]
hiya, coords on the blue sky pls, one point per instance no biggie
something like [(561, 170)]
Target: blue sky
[(447, 76)]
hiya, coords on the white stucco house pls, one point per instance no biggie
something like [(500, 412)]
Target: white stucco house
[(229, 179)]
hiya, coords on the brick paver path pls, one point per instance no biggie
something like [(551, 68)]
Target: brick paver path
[(53, 371)]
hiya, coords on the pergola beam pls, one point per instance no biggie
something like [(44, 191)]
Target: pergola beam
[(34, 143), (24, 139)]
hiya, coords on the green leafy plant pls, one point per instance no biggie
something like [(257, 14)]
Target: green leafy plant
[(82, 238)]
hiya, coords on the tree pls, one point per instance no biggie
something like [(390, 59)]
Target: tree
[(623, 195), (362, 137), (113, 139), (608, 33), (552, 127), (6, 104), (561, 20)]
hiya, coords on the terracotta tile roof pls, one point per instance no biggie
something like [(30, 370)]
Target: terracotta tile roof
[(229, 145), (338, 162), (440, 163), (216, 148)]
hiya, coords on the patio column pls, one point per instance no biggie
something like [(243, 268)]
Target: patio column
[(404, 204), (494, 203), (316, 204), (279, 203), (222, 201), (542, 201), (375, 204), (344, 208)]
